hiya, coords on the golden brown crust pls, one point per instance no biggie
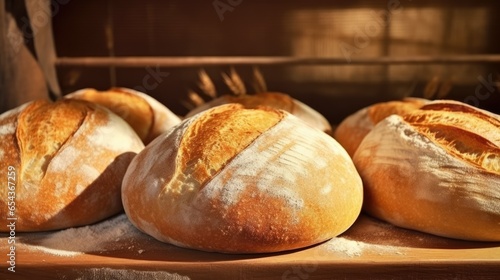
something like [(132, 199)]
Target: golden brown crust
[(38, 140), (463, 132), (219, 136), (145, 115), (69, 165), (380, 111), (435, 170), (271, 99), (275, 100), (285, 186), (355, 127), (132, 108)]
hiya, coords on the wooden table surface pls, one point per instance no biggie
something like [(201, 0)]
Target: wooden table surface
[(369, 249)]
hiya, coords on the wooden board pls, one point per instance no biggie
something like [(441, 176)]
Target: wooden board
[(369, 249)]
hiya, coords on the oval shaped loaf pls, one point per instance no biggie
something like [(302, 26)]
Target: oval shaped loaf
[(274, 100), (354, 128), (148, 117), (68, 159), (435, 170), (241, 180)]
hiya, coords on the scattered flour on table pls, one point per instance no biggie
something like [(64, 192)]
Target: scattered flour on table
[(353, 248), (94, 238)]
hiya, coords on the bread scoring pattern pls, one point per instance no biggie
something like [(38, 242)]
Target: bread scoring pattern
[(274, 100), (286, 185), (39, 141), (203, 156), (468, 134), (435, 170), (71, 156)]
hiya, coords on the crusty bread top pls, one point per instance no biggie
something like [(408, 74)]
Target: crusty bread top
[(413, 181), (354, 127), (281, 185), (205, 153), (464, 131), (274, 100), (38, 140), (380, 111), (147, 116), (134, 109), (260, 100), (9, 146), (69, 157)]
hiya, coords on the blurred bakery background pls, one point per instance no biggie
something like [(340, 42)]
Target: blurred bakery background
[(335, 56)]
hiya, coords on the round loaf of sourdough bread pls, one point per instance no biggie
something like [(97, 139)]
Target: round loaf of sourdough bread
[(148, 117), (239, 180), (274, 100), (354, 128), (65, 161), (435, 170)]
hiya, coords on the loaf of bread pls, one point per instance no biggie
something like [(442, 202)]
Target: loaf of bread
[(239, 180), (274, 100), (65, 162), (354, 128), (148, 117), (435, 170)]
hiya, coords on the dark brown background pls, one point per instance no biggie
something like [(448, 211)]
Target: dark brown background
[(288, 28)]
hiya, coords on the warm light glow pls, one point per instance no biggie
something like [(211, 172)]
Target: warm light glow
[(371, 32)]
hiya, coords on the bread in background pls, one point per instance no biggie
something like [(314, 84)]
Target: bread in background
[(274, 100), (354, 127), (148, 117)]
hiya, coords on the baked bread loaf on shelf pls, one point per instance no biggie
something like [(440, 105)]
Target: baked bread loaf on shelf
[(436, 170), (148, 117), (275, 100), (354, 128), (65, 162), (238, 180)]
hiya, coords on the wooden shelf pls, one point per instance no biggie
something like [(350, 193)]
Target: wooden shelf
[(369, 249), (200, 61)]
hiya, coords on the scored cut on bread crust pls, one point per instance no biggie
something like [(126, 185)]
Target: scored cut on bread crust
[(69, 158), (274, 100), (435, 170), (266, 182)]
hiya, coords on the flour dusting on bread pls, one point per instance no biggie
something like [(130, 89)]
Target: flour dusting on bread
[(71, 159), (287, 186), (441, 158)]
